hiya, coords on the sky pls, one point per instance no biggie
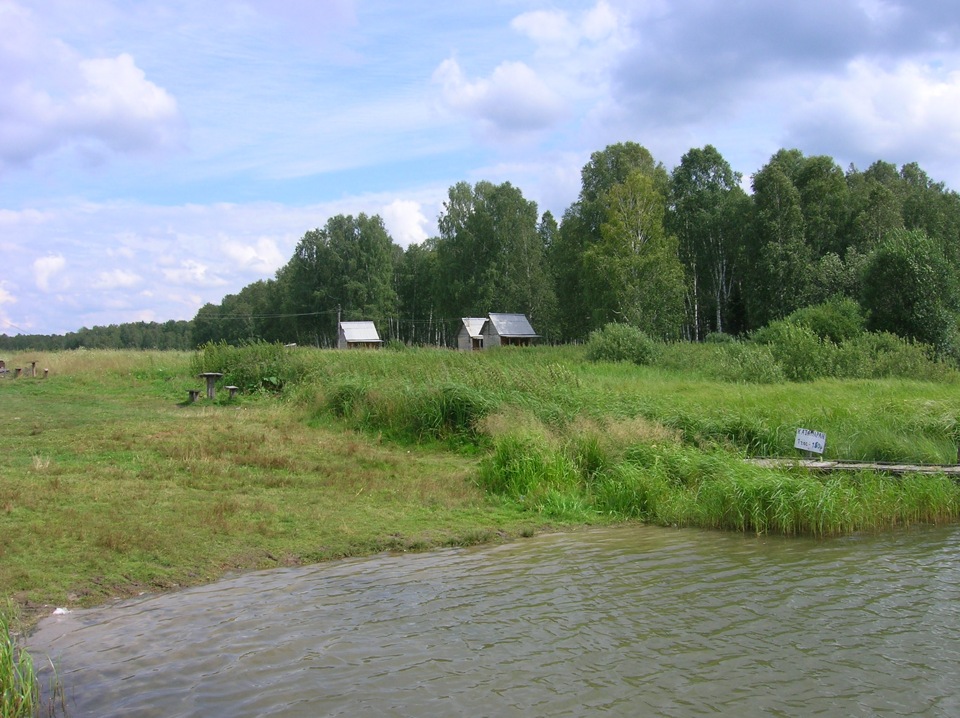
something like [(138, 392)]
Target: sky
[(158, 156)]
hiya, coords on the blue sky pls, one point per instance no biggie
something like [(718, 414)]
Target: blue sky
[(156, 156)]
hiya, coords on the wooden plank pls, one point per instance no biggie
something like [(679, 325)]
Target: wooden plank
[(826, 467)]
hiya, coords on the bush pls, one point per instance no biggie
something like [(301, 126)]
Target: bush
[(835, 320), (621, 342), (801, 354), (258, 366)]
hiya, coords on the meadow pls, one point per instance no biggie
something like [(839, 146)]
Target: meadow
[(112, 483)]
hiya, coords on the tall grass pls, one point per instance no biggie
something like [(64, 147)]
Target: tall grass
[(682, 486), (20, 694), (20, 688)]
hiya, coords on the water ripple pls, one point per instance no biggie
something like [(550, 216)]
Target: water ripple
[(626, 621)]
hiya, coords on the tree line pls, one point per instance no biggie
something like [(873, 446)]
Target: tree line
[(132, 335), (679, 254)]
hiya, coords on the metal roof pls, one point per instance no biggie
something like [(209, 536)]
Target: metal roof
[(474, 326), (359, 332), (512, 325)]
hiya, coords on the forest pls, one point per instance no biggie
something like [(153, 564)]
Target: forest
[(686, 254)]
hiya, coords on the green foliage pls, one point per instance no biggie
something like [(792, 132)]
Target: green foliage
[(835, 320), (709, 209), (621, 342), (801, 354), (253, 367), (632, 273), (910, 290)]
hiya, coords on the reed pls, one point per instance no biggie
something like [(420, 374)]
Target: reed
[(20, 688)]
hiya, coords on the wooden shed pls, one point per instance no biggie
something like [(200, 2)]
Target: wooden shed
[(508, 330), (358, 335), (470, 336)]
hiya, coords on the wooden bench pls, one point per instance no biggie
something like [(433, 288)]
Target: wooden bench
[(194, 394), (233, 390)]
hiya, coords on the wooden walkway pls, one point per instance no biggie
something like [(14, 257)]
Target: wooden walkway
[(826, 467)]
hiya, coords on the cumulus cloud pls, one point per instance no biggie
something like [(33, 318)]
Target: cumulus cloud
[(55, 98), (514, 99), (405, 221), (903, 113), (46, 268)]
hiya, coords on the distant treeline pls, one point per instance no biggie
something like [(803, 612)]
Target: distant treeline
[(679, 254), (138, 335)]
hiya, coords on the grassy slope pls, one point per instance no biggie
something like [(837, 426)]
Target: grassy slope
[(110, 484)]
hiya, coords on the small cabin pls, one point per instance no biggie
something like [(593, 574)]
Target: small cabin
[(470, 336), (358, 335), (508, 330)]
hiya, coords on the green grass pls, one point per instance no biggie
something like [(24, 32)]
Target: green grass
[(112, 484)]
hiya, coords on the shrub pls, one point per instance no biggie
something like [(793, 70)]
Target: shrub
[(835, 320), (802, 354), (257, 366), (621, 342)]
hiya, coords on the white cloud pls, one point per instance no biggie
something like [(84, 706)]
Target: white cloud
[(556, 28), (55, 98), (46, 268), (902, 113), (118, 106), (405, 221), (5, 296), (117, 279), (549, 27), (263, 256), (513, 99), (192, 272)]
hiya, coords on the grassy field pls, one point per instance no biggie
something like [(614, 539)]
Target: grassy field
[(112, 484)]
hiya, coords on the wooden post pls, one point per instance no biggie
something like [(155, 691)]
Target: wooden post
[(16, 373), (45, 373), (211, 377), (33, 369)]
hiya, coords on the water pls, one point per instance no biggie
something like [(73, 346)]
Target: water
[(618, 622)]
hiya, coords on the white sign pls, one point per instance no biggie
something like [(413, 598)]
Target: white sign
[(807, 440)]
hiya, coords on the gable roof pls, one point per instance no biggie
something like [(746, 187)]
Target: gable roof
[(474, 326), (359, 332), (512, 325)]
